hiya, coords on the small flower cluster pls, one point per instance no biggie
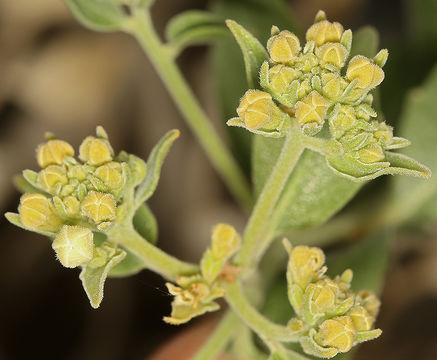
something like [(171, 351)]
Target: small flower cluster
[(74, 197), (195, 294), (330, 317), (307, 83)]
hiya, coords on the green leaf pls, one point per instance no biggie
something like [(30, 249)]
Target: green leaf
[(154, 164), (421, 14), (368, 260), (195, 27), (145, 224), (93, 278), (254, 53), (414, 199), (100, 15), (365, 42)]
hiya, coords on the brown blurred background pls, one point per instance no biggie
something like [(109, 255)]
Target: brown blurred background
[(57, 76)]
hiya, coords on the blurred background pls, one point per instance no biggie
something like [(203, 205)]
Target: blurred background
[(57, 76)]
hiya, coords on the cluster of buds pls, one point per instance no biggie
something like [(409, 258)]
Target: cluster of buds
[(309, 83), (195, 294), (74, 198), (330, 317)]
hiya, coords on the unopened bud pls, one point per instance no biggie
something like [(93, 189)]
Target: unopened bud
[(53, 152), (36, 213), (281, 77), (112, 175), (371, 153), (343, 120), (99, 207), (95, 151), (332, 53), (50, 176), (361, 319), (369, 75), (305, 264), (310, 112), (283, 47), (338, 333), (324, 31), (74, 245), (333, 85), (225, 240)]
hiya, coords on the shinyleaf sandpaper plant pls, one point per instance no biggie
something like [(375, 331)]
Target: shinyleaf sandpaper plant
[(305, 96)]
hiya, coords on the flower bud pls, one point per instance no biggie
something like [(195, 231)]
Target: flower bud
[(281, 77), (333, 85), (369, 75), (72, 206), (256, 110), (95, 151), (99, 207), (369, 301), (36, 213), (74, 245), (50, 176), (321, 297), (384, 134), (371, 153), (79, 172), (305, 264), (332, 53), (112, 175), (361, 319), (310, 112), (343, 120), (324, 31), (225, 240), (338, 333), (53, 152), (307, 62), (283, 47)]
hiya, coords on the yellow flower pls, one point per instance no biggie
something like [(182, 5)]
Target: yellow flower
[(310, 112), (283, 47), (337, 332), (255, 109), (95, 151), (99, 207), (368, 74)]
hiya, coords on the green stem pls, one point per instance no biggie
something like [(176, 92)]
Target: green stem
[(142, 28), (253, 244), (266, 329), (220, 337), (154, 258)]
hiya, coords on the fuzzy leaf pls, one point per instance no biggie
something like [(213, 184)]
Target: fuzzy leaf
[(15, 219), (254, 53), (414, 199), (145, 224), (24, 186), (100, 15), (93, 279), (154, 164), (195, 27)]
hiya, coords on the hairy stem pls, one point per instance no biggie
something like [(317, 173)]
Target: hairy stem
[(255, 245), (141, 27), (266, 329), (220, 337), (154, 258)]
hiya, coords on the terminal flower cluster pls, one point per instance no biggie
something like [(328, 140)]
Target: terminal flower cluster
[(331, 318), (315, 85)]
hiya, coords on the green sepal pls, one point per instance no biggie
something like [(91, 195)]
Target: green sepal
[(31, 177), (24, 186), (15, 219), (396, 164), (254, 53), (181, 314), (154, 164), (310, 347), (194, 27), (100, 15), (93, 279), (276, 133), (363, 336), (398, 143)]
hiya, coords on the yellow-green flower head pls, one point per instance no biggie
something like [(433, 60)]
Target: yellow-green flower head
[(95, 151), (255, 109), (36, 213), (99, 207), (53, 152), (338, 333), (311, 111), (74, 245), (324, 31), (305, 264), (368, 74), (283, 47), (51, 176)]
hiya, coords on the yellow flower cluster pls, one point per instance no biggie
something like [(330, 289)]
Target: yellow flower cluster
[(330, 316), (74, 197), (309, 83)]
